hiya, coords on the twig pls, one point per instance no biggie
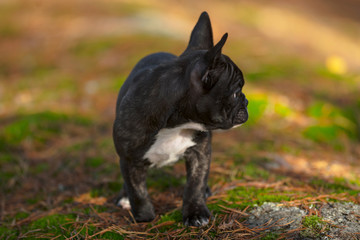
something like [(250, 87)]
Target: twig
[(80, 230), (167, 223), (234, 210)]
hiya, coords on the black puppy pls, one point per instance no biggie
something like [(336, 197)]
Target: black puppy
[(166, 110)]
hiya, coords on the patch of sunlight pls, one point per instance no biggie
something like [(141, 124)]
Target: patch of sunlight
[(23, 98), (336, 65), (325, 166), (323, 37)]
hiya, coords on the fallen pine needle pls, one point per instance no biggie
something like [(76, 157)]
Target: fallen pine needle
[(234, 210), (167, 223)]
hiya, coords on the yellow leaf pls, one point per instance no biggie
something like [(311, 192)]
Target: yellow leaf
[(336, 64)]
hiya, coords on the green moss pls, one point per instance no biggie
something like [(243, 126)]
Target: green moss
[(94, 162), (175, 216), (8, 233), (242, 197), (112, 235), (21, 215), (172, 216), (54, 224), (38, 127), (254, 171), (339, 185), (270, 236), (315, 226)]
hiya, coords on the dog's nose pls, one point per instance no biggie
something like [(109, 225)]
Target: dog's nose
[(246, 102)]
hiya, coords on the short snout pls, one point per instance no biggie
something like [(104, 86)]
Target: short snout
[(244, 101), (242, 114)]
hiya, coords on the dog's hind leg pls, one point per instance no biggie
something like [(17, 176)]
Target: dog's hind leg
[(135, 182), (123, 199), (208, 192)]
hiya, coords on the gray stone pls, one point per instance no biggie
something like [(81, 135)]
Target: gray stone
[(342, 219)]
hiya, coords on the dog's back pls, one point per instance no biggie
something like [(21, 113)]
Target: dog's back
[(144, 67)]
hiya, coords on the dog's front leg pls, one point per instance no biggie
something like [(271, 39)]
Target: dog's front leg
[(195, 211), (135, 182)]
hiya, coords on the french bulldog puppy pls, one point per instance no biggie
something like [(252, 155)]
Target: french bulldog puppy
[(167, 109)]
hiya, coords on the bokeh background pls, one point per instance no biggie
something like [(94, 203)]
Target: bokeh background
[(63, 62)]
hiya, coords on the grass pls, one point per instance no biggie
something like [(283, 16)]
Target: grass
[(38, 127), (174, 217), (337, 185), (94, 162)]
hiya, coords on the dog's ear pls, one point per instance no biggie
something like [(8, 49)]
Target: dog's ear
[(211, 58), (215, 52), (201, 37)]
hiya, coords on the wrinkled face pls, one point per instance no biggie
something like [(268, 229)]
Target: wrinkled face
[(223, 105)]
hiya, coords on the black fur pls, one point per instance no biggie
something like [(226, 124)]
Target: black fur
[(164, 91)]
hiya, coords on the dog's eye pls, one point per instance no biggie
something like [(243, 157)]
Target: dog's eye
[(207, 79), (235, 95)]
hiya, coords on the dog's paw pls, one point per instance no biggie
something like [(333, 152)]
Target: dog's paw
[(196, 221), (147, 216), (197, 217), (144, 213), (124, 203)]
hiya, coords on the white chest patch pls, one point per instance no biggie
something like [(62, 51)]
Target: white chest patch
[(171, 143)]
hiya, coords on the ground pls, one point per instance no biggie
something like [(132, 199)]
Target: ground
[(292, 171)]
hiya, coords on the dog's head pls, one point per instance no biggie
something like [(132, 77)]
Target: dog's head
[(215, 81)]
